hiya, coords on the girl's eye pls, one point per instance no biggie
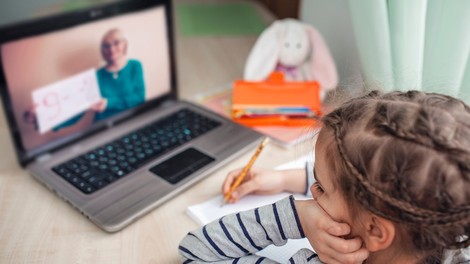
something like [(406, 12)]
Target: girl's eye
[(318, 187), (317, 190)]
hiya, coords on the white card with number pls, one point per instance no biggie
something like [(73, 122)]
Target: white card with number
[(62, 100)]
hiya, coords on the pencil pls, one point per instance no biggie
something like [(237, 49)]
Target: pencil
[(245, 170)]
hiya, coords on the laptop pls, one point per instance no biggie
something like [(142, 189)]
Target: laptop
[(91, 102)]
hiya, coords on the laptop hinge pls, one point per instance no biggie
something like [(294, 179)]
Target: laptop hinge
[(109, 124), (43, 157), (167, 103)]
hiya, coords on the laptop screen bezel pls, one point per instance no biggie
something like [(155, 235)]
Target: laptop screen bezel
[(62, 21)]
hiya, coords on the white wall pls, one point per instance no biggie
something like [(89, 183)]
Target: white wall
[(333, 20)]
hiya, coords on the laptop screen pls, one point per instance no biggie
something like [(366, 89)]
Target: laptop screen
[(64, 82)]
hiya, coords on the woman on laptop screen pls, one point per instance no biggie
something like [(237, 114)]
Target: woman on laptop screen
[(121, 81)]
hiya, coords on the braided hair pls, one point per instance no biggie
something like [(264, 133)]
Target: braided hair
[(406, 157)]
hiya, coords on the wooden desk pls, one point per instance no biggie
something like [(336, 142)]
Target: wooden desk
[(38, 227)]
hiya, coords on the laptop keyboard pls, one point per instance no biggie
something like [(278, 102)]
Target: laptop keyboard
[(116, 159)]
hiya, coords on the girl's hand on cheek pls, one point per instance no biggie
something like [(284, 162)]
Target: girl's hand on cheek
[(325, 235)]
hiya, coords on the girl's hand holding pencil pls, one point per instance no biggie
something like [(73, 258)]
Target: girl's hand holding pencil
[(244, 172)]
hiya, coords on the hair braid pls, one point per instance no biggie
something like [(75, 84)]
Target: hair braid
[(420, 215), (444, 138), (433, 125)]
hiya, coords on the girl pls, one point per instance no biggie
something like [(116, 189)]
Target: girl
[(394, 167)]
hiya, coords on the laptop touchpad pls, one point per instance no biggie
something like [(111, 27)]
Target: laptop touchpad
[(181, 165)]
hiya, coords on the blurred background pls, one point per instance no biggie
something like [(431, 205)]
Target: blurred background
[(393, 45)]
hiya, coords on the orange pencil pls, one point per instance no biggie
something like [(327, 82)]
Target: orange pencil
[(245, 170)]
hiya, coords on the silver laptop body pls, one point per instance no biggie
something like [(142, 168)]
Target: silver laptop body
[(124, 199)]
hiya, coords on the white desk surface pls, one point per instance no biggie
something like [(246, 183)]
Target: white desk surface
[(38, 227)]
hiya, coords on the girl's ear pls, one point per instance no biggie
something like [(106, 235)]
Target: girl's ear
[(379, 233), (323, 65), (264, 56)]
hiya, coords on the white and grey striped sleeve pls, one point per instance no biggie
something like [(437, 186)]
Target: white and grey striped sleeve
[(236, 238)]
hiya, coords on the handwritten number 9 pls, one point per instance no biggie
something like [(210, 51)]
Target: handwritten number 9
[(52, 103)]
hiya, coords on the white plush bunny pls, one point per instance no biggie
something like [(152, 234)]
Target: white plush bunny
[(295, 48)]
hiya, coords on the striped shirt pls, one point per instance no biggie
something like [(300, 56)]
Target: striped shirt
[(236, 238)]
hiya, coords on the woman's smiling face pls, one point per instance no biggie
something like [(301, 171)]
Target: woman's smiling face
[(113, 47)]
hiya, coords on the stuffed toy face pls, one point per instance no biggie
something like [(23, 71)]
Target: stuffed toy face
[(295, 46)]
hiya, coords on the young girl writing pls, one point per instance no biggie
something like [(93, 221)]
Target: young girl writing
[(394, 167)]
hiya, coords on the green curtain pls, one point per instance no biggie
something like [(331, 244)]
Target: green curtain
[(414, 44)]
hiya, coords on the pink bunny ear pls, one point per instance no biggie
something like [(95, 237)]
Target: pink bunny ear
[(323, 65)]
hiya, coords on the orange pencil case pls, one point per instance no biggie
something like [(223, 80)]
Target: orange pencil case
[(275, 102)]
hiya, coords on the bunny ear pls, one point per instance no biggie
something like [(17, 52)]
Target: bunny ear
[(264, 56), (324, 69)]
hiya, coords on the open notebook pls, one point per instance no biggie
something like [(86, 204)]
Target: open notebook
[(210, 210)]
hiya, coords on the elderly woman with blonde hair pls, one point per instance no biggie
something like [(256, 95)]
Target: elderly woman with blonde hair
[(121, 80)]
